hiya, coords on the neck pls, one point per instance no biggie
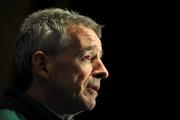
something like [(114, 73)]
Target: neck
[(63, 116), (67, 116), (56, 105)]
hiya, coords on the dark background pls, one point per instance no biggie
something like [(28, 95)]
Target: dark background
[(130, 42)]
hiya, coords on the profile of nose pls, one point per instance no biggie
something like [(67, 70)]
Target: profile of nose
[(100, 71)]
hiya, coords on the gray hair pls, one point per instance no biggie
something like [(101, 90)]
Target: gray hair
[(45, 30)]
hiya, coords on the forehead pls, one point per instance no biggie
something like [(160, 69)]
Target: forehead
[(84, 37)]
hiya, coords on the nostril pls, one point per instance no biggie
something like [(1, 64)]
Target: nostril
[(100, 75)]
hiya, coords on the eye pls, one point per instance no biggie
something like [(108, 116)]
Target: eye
[(87, 58)]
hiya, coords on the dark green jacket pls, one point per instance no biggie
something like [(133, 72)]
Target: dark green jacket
[(6, 114), (18, 106)]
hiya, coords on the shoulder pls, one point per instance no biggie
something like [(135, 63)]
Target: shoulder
[(6, 114)]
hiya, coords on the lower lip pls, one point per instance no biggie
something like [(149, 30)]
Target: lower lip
[(92, 91)]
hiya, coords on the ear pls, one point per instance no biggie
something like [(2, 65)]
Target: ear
[(41, 64)]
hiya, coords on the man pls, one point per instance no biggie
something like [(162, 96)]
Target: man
[(57, 67)]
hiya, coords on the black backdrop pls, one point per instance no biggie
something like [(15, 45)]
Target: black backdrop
[(129, 41)]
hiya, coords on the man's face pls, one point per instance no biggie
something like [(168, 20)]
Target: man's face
[(76, 73)]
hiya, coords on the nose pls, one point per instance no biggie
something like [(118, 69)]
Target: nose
[(100, 70)]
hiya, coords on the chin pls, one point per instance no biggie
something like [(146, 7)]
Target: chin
[(91, 107), (86, 99), (87, 106), (88, 102)]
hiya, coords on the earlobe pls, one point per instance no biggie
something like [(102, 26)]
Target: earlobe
[(40, 64)]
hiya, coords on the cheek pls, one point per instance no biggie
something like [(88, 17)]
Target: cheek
[(71, 76), (83, 76), (78, 70), (62, 79), (80, 75)]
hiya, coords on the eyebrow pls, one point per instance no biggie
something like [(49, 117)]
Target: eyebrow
[(90, 48)]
